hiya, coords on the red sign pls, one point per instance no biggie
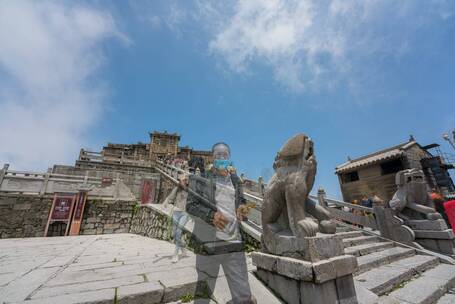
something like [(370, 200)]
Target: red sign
[(78, 213), (106, 181), (148, 191), (61, 210), (80, 204)]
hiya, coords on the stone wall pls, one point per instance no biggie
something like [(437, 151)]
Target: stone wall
[(107, 216), (23, 215), (150, 222), (26, 216), (166, 187)]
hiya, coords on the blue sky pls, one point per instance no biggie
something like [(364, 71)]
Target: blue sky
[(356, 76)]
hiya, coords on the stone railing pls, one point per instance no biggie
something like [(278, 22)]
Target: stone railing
[(358, 215), (38, 183), (101, 157)]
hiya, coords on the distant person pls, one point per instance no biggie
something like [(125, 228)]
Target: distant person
[(377, 201), (177, 198), (366, 202), (438, 201), (357, 212)]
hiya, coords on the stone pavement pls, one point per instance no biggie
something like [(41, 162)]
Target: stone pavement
[(116, 268)]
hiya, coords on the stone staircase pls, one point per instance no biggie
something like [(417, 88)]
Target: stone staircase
[(388, 273)]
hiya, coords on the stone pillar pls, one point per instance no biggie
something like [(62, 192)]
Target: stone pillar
[(3, 173), (324, 275), (261, 185), (46, 181), (321, 197)]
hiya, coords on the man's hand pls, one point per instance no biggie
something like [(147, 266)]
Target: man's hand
[(219, 220), (242, 212)]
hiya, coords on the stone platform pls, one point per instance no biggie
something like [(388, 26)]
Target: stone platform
[(116, 268)]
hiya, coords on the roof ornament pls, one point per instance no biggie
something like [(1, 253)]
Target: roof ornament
[(411, 137)]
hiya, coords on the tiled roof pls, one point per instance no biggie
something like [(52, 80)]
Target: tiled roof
[(390, 153)]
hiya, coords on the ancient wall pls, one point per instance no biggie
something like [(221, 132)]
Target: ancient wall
[(107, 216), (132, 179), (23, 215), (26, 216), (165, 189), (150, 222)]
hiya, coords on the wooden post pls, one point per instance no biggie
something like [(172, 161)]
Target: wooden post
[(321, 197), (3, 173)]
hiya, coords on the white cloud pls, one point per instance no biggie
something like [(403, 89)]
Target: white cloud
[(50, 93), (313, 43)]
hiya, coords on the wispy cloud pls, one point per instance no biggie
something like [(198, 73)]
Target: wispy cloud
[(312, 43), (50, 90)]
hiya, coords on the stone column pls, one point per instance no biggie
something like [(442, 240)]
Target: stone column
[(323, 275), (3, 173), (46, 181), (321, 197)]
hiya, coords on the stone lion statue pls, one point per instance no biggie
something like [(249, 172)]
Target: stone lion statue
[(412, 201), (287, 209)]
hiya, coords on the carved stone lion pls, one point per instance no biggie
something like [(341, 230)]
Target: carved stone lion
[(286, 209), (412, 201)]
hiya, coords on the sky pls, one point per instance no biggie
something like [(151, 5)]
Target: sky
[(355, 76)]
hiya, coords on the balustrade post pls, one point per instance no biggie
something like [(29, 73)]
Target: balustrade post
[(3, 173), (117, 186), (45, 182), (321, 197), (261, 185)]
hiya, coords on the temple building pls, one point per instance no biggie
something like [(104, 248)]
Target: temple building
[(161, 145), (374, 174)]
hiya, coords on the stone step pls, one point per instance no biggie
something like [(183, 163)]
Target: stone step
[(384, 278), (383, 257), (348, 234), (448, 298), (428, 287), (365, 249), (343, 229), (359, 240)]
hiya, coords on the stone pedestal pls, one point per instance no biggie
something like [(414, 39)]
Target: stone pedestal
[(433, 235), (325, 276)]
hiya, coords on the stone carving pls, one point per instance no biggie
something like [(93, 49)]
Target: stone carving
[(412, 201), (287, 210), (298, 263), (411, 218)]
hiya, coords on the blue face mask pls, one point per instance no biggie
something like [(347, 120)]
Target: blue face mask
[(222, 163)]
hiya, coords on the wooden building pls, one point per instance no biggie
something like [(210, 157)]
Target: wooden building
[(374, 174)]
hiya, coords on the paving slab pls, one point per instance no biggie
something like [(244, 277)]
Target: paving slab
[(384, 278), (376, 259), (121, 268), (365, 249), (428, 287)]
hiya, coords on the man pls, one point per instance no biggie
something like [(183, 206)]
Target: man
[(177, 198), (217, 199)]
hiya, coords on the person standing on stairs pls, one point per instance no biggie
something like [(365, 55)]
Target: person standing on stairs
[(219, 203), (177, 199)]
